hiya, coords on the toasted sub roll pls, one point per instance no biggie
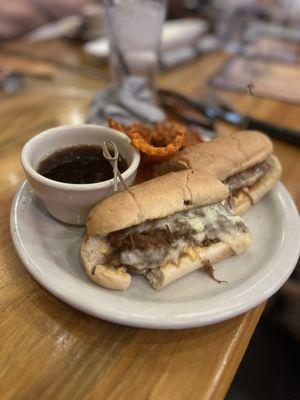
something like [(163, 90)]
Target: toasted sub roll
[(162, 229), (230, 159), (251, 195), (93, 251), (154, 199), (196, 259)]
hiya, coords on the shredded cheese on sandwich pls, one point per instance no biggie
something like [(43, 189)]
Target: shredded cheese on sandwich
[(157, 242)]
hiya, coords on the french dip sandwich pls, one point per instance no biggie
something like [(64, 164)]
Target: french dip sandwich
[(243, 161), (163, 229)]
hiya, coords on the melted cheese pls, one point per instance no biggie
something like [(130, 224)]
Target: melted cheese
[(214, 221)]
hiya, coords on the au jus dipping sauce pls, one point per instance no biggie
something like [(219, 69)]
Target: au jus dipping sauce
[(81, 164)]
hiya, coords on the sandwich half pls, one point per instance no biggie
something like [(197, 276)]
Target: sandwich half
[(243, 161), (162, 229)]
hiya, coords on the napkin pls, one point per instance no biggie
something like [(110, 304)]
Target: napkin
[(128, 103)]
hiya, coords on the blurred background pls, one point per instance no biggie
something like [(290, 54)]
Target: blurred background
[(260, 43)]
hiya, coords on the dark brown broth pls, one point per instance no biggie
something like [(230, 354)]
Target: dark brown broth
[(80, 164)]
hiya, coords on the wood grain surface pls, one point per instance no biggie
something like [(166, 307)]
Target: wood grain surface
[(49, 350)]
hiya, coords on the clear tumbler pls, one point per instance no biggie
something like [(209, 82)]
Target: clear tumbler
[(134, 30)]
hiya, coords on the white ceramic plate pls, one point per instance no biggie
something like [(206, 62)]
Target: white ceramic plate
[(176, 33), (50, 252)]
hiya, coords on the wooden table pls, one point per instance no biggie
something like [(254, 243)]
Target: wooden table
[(52, 351)]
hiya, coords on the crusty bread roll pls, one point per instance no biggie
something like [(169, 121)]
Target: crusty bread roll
[(196, 259), (257, 191), (224, 156), (229, 155), (154, 199), (93, 250)]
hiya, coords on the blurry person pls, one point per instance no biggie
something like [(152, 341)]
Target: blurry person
[(18, 17)]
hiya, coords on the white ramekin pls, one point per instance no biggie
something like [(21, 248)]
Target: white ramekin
[(68, 202)]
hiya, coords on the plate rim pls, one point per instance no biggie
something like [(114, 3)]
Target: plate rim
[(177, 322)]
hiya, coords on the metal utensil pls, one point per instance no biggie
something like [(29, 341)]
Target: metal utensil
[(188, 114), (217, 110)]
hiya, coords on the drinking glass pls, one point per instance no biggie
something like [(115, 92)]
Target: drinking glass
[(233, 19), (134, 30)]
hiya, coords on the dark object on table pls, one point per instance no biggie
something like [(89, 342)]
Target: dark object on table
[(12, 80), (216, 110)]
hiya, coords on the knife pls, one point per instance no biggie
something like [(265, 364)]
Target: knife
[(219, 111)]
